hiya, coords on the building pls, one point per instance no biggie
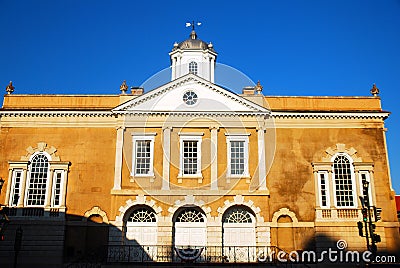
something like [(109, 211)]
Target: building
[(190, 169)]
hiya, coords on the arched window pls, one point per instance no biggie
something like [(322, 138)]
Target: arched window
[(39, 170), (193, 67), (190, 215), (38, 180), (238, 215), (142, 215), (344, 188)]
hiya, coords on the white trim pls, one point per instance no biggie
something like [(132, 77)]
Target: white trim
[(243, 138), (143, 137), (12, 189), (53, 190), (354, 187), (124, 108), (195, 134), (190, 137), (237, 134), (48, 178)]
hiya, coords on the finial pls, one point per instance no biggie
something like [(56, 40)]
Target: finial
[(258, 87), (374, 90), (123, 87), (10, 88)]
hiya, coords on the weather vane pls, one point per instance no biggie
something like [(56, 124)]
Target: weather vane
[(188, 24)]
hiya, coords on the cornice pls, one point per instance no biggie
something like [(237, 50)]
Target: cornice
[(329, 115), (194, 113), (38, 113)]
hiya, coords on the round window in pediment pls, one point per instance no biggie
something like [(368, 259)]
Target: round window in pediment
[(190, 98)]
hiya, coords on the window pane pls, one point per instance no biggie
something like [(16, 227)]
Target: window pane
[(193, 67), (57, 188), (343, 182), (142, 164), (237, 157), (16, 190), (38, 179), (323, 190), (190, 157)]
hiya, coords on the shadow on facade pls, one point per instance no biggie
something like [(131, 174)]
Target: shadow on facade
[(55, 239)]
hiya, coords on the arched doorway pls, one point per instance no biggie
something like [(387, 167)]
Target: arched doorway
[(239, 234), (141, 233), (190, 229)]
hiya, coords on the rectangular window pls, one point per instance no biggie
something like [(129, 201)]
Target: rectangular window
[(324, 190), (238, 155), (190, 155), (143, 157), (143, 154), (16, 187), (57, 182)]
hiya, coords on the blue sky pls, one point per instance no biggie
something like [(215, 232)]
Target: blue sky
[(303, 47)]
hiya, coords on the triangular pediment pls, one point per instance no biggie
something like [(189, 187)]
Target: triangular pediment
[(210, 99)]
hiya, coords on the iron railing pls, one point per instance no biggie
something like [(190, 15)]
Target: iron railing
[(207, 254)]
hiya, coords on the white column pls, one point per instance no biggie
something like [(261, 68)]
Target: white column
[(118, 158), (262, 172), (166, 157), (49, 189), (64, 188), (332, 195), (212, 70), (179, 67), (24, 180), (173, 68), (214, 158)]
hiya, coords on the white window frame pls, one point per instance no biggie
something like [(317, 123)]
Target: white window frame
[(353, 181), (190, 137), (327, 190), (29, 177), (143, 137), (368, 178), (12, 189), (53, 190), (195, 67), (242, 138)]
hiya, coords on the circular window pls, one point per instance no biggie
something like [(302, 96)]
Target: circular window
[(190, 97)]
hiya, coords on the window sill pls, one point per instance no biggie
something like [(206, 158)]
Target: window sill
[(199, 177), (150, 177), (244, 176)]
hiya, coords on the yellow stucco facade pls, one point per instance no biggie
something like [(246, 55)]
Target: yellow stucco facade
[(300, 136)]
